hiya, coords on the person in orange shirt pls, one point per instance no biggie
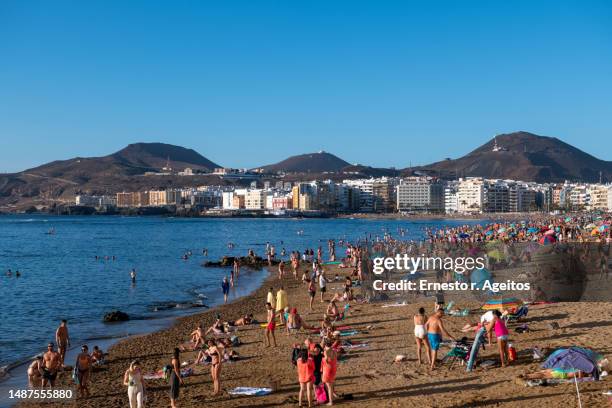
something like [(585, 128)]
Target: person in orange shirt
[(328, 368), (305, 369)]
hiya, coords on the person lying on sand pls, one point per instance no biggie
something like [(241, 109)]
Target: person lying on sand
[(243, 321), (554, 373)]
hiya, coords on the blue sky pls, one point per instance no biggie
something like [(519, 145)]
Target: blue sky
[(247, 83)]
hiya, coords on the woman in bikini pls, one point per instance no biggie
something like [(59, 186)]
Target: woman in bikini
[(215, 366), (420, 335), (329, 365)]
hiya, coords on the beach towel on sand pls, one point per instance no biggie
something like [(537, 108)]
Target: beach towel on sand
[(252, 391)]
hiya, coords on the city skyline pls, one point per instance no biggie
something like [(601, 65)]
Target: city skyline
[(250, 84)]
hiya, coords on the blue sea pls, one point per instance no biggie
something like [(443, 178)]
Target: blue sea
[(62, 279)]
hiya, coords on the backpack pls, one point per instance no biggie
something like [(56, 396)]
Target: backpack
[(321, 393)]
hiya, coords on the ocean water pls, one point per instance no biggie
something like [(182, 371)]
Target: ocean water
[(61, 279)]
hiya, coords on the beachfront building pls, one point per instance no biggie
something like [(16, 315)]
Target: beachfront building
[(421, 194), (282, 203), (598, 197), (375, 194), (95, 200), (471, 195), (255, 199), (498, 196), (451, 204)]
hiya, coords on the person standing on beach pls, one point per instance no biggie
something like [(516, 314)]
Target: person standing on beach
[(35, 371), (305, 369), (83, 370), (420, 335), (175, 377), (435, 329), (135, 382), (236, 268), (281, 303), (329, 365), (270, 299), (225, 286), (281, 269), (51, 365), (215, 366), (501, 333), (271, 324), (62, 338), (312, 291), (322, 283)]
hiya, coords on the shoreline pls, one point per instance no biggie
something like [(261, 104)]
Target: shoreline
[(367, 373)]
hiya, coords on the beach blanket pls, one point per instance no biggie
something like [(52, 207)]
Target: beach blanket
[(395, 305), (349, 333), (251, 391), (159, 374), (354, 345)]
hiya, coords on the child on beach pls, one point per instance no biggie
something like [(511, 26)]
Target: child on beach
[(501, 332)]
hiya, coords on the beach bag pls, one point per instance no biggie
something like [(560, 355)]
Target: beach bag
[(235, 341), (321, 394)]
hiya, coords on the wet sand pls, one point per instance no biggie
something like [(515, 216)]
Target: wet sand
[(367, 374)]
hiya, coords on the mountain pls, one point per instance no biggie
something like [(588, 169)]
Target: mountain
[(122, 170), (308, 163), (156, 156), (523, 156)]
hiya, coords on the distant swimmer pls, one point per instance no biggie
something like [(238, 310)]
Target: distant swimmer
[(17, 274), (9, 273), (133, 275), (205, 252)]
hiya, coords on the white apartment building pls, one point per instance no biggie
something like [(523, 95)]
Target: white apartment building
[(451, 202), (471, 195), (420, 194)]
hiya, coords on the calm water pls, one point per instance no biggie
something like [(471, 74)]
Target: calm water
[(62, 279)]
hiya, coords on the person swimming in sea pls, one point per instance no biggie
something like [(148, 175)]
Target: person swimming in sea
[(133, 275)]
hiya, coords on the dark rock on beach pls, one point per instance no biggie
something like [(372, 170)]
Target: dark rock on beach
[(246, 261), (116, 316)]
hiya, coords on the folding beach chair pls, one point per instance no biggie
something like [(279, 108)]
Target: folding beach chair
[(459, 352), (518, 315)]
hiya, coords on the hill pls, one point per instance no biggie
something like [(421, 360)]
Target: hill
[(524, 156), (308, 163)]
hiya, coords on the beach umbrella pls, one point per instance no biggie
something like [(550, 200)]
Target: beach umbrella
[(533, 230), (489, 232), (604, 227), (549, 232), (547, 240), (464, 235), (595, 231), (573, 358), (501, 303), (501, 230)]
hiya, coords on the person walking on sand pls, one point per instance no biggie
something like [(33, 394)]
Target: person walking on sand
[(281, 269), (135, 382), (175, 377), (322, 283), (82, 367), (312, 291), (305, 369), (62, 338), (225, 286), (271, 325), (329, 365), (501, 333), (420, 335), (435, 328), (215, 366)]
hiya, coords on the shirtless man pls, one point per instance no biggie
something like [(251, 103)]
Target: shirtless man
[(435, 329), (197, 336), (62, 339), (51, 364), (271, 324), (83, 370), (35, 371)]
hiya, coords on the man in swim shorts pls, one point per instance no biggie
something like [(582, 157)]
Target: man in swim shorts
[(435, 329), (51, 364), (271, 325)]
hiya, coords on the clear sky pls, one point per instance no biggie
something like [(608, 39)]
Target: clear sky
[(247, 83)]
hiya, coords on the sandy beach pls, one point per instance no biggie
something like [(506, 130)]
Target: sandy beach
[(367, 375)]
